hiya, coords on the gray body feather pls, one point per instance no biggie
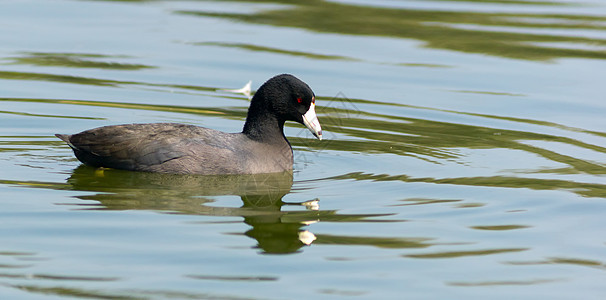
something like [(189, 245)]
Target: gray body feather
[(179, 149)]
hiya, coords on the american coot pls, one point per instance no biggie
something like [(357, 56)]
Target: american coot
[(261, 147)]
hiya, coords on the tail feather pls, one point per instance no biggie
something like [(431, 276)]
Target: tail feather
[(65, 138)]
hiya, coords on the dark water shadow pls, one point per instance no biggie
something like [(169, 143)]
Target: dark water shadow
[(261, 196), (278, 226)]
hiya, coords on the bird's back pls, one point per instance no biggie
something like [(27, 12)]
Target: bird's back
[(177, 148)]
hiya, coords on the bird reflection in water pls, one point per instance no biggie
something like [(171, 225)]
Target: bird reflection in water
[(276, 231)]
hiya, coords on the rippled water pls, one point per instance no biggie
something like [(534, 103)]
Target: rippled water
[(464, 152)]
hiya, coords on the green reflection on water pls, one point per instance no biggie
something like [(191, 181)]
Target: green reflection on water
[(18, 256), (167, 108), (580, 188), (428, 140), (504, 282), (47, 116), (274, 225), (73, 292), (564, 261), (258, 48), (425, 139), (453, 254), (500, 227), (419, 201), (120, 293), (521, 2), (381, 133), (390, 243), (58, 78), (74, 60), (12, 75), (499, 34), (58, 277)]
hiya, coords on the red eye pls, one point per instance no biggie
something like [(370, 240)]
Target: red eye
[(299, 100)]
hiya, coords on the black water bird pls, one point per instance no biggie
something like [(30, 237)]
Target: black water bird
[(261, 147)]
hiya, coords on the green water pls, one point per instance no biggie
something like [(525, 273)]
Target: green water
[(464, 151)]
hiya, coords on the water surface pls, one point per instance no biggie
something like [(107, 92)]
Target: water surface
[(464, 152)]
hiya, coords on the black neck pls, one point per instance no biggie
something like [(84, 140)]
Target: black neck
[(263, 126)]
